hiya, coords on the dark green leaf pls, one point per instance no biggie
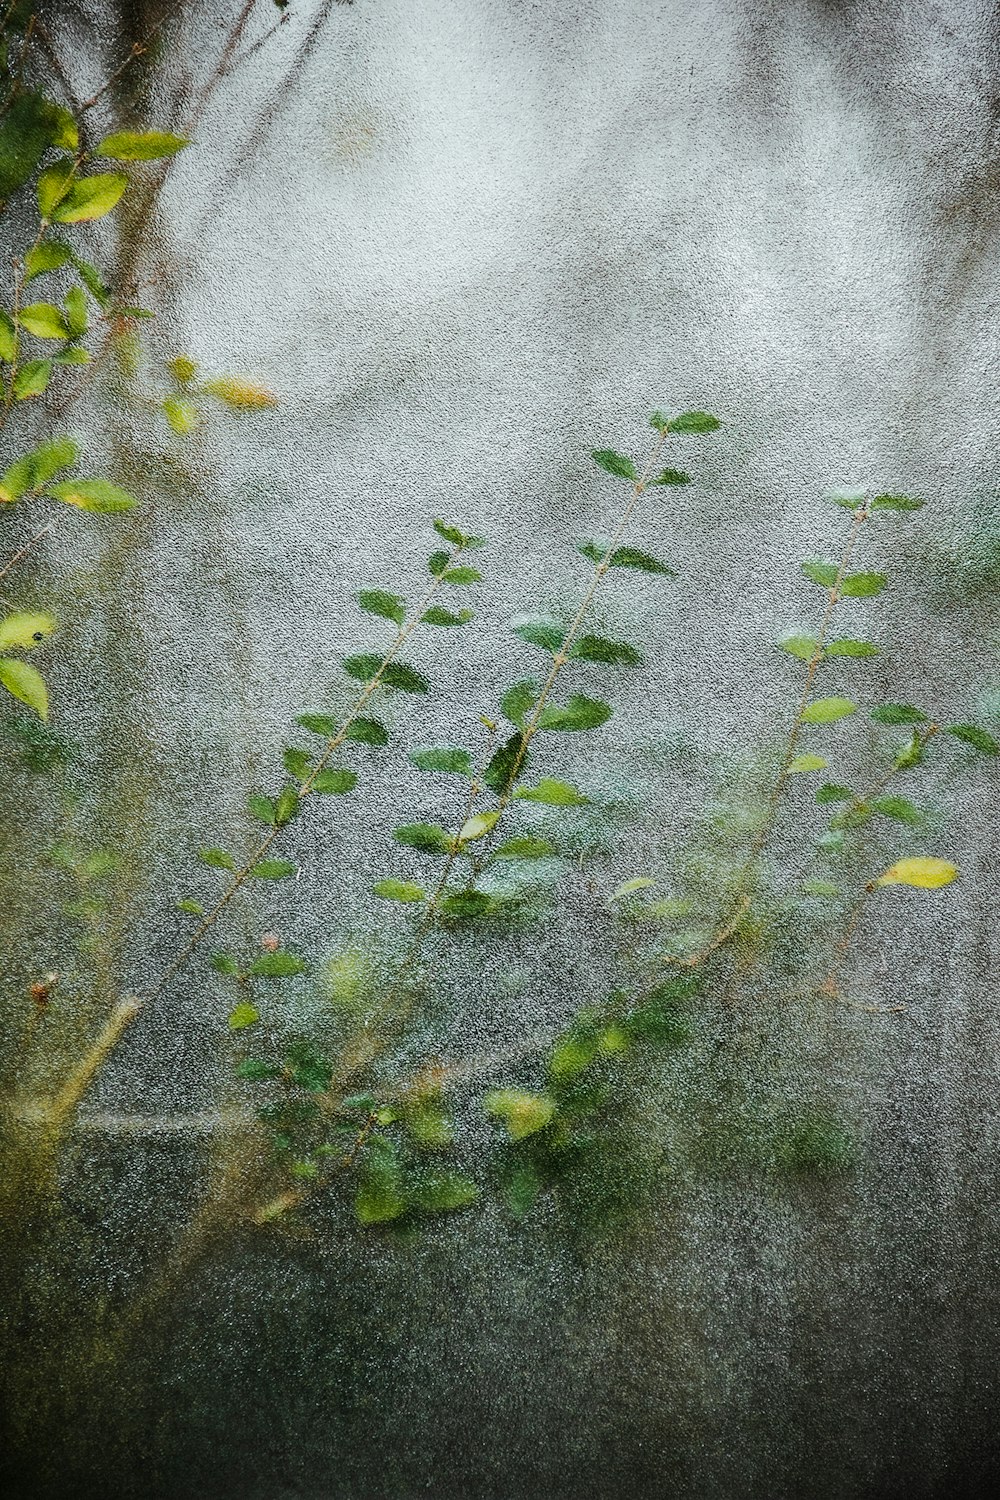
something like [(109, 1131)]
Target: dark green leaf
[(466, 905), (458, 576), (367, 731), (31, 124), (505, 764), (438, 1192), (521, 1189), (911, 753), (614, 653), (978, 738), (437, 616), (524, 847), (895, 502), (261, 807), (297, 762), (336, 781), (900, 808), (631, 557), (438, 562), (425, 836), (614, 463), (671, 476), (224, 963), (578, 713), (446, 758), (318, 724), (393, 674), (378, 602), (831, 792), (547, 633), (287, 806), (254, 1070), (694, 421), (898, 713), (519, 700)]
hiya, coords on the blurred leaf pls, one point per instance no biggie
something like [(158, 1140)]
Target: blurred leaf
[(399, 890), (254, 1070), (830, 791), (394, 674), (31, 123), (50, 255), (477, 827), (910, 753), (224, 963), (92, 494), (467, 905), (335, 781), (240, 395), (181, 412), (280, 965), (76, 311), (8, 337), (140, 145), (898, 713), (895, 502), (192, 908), (921, 871), (32, 378), (807, 763), (629, 887), (296, 762), (25, 684), (287, 806), (318, 724), (518, 701), (552, 793), (217, 858), (862, 585), (427, 837), (273, 869), (437, 1192), (851, 648), (505, 763), (671, 476), (53, 185), (523, 1113), (577, 713), (367, 731), (614, 653), (521, 1189), (978, 738), (44, 320), (90, 198), (524, 847), (22, 631), (242, 1016), (182, 369), (827, 710), (694, 421), (261, 807), (438, 616), (614, 463), (632, 557), (900, 808), (823, 573), (447, 758), (802, 646), (549, 634), (378, 602)]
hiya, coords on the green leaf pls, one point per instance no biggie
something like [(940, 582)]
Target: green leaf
[(823, 573), (140, 145), (459, 576), (287, 806), (242, 1016), (848, 498), (53, 185), (76, 311), (830, 791), (613, 653), (807, 763), (367, 732), (217, 858), (523, 1113), (802, 646), (614, 463), (318, 724), (466, 906), (224, 963), (456, 537), (978, 738), (827, 710), (192, 908), (632, 557), (296, 762), (896, 502), (910, 753), (438, 562), (694, 421), (30, 125), (552, 793), (32, 378), (44, 320), (399, 890), (438, 616), (519, 700), (273, 869), (505, 763), (548, 634), (576, 714), (900, 808), (446, 758), (898, 713), (862, 585), (394, 674), (335, 781), (50, 255), (22, 631), (90, 198), (852, 648), (75, 354), (8, 338), (671, 476), (379, 1203), (92, 494), (255, 1071), (427, 837), (92, 279), (629, 887), (24, 683), (477, 827), (378, 602), (182, 413), (441, 1192), (521, 1189), (820, 888), (280, 965), (524, 847)]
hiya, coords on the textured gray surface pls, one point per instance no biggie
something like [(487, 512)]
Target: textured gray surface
[(478, 240)]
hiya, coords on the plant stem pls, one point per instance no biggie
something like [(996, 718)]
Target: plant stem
[(12, 561), (66, 1101)]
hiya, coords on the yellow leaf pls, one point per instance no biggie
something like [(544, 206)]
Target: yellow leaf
[(22, 631), (240, 393), (23, 682), (921, 871), (477, 827)]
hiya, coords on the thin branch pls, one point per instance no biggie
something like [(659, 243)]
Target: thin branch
[(11, 562)]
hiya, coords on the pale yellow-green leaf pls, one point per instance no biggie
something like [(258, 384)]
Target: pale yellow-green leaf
[(242, 395), (181, 413), (522, 1113), (477, 827), (53, 185), (807, 763), (182, 368), (24, 683), (44, 320), (22, 631), (90, 198), (92, 494), (637, 883), (140, 145), (922, 871)]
